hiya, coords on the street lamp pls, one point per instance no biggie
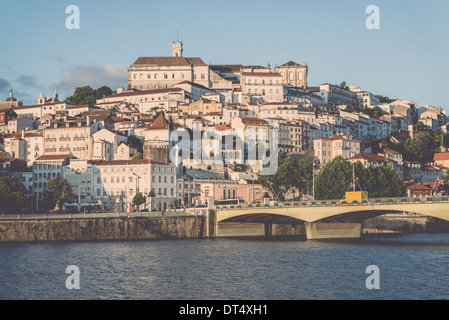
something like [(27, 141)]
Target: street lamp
[(308, 192), (313, 177)]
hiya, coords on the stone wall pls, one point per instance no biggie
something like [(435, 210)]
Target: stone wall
[(103, 229)]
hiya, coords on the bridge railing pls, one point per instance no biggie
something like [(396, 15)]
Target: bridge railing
[(336, 202), (54, 216)]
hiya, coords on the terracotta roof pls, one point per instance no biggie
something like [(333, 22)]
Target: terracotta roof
[(170, 61), (222, 127), (160, 123), (3, 154), (53, 157), (291, 63), (369, 156), (441, 156)]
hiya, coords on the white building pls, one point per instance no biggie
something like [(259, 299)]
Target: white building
[(327, 149), (334, 96), (122, 179)]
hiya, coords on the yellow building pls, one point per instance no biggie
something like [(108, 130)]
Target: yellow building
[(203, 106)]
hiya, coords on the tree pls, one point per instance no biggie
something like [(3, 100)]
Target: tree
[(87, 95), (333, 179), (291, 175), (12, 194), (137, 156), (61, 191), (343, 85), (135, 142), (336, 178), (113, 110), (139, 199)]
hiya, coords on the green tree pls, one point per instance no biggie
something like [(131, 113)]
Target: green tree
[(12, 194), (336, 178), (291, 175), (60, 190), (87, 95), (139, 199), (113, 110), (343, 85), (333, 179), (135, 142), (137, 156)]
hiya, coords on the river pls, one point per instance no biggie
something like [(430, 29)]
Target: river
[(409, 267)]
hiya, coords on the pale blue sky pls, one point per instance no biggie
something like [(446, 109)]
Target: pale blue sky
[(406, 58)]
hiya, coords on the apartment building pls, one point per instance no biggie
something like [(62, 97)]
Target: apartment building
[(122, 179), (262, 86), (71, 137), (335, 96), (343, 145), (294, 136)]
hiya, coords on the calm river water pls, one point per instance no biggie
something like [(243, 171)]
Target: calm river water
[(410, 267)]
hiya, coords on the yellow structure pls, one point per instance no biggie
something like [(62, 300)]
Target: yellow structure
[(356, 196)]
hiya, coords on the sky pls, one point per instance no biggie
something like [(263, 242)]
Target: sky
[(406, 58)]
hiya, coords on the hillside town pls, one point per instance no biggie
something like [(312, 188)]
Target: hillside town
[(122, 144)]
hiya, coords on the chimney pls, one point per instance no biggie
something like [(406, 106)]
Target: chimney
[(88, 120), (23, 133)]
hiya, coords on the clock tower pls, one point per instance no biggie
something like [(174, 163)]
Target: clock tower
[(177, 49)]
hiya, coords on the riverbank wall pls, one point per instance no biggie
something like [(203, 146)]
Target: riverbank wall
[(98, 229), (175, 227)]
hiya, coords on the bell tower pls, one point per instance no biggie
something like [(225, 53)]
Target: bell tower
[(177, 49)]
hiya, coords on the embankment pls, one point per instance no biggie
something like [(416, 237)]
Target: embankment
[(97, 229)]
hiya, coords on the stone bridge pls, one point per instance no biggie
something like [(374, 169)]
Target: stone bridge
[(328, 219)]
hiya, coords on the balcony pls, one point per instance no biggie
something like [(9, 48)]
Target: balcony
[(64, 149), (50, 140), (50, 150), (64, 139), (78, 139), (79, 149)]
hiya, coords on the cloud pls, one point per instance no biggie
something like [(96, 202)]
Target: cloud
[(91, 75), (5, 86), (28, 81)]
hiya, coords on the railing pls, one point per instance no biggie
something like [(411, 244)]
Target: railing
[(327, 203), (98, 215)]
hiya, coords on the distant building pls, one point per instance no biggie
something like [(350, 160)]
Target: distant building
[(327, 149), (293, 74)]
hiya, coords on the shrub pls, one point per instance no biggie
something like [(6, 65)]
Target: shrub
[(403, 200), (343, 202), (295, 204), (258, 205), (287, 204)]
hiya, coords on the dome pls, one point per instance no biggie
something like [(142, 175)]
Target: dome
[(10, 98)]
